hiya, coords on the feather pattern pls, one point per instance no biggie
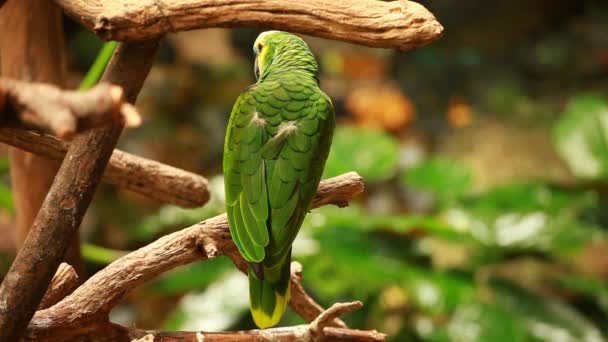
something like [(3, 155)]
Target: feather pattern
[(277, 141)]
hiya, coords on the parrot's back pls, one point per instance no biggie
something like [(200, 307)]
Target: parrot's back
[(277, 142)]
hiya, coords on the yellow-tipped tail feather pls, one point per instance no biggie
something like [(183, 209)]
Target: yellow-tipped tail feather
[(267, 301)]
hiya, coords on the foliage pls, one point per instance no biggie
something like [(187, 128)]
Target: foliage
[(447, 180), (581, 136), (372, 153)]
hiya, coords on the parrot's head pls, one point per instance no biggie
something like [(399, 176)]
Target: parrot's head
[(277, 51)]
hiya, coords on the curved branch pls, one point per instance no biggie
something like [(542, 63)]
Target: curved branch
[(158, 181), (398, 24), (90, 304)]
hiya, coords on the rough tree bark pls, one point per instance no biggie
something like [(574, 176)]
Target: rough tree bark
[(68, 199), (154, 180), (397, 24), (84, 313), (64, 112), (31, 49)]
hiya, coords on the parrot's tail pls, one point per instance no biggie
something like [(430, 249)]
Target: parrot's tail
[(268, 293)]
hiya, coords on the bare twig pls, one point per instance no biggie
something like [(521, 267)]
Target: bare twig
[(64, 282), (398, 24), (150, 178), (64, 112), (326, 317), (89, 305), (300, 333), (302, 303), (68, 199)]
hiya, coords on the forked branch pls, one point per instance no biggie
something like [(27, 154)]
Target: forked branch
[(85, 311)]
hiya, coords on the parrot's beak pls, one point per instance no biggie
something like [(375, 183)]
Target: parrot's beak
[(256, 68)]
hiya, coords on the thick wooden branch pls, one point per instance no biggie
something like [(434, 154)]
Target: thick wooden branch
[(78, 314), (63, 283), (68, 199), (316, 331), (149, 178), (397, 24), (64, 112)]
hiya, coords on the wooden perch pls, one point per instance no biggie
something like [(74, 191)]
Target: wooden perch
[(64, 112), (397, 24), (149, 178), (317, 330), (64, 207), (85, 311)]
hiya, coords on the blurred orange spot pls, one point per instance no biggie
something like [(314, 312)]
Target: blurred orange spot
[(459, 112), (384, 106), (363, 66)]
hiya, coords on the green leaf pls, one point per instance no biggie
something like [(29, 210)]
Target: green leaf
[(581, 136), (372, 153), (447, 180), (546, 319), (99, 66)]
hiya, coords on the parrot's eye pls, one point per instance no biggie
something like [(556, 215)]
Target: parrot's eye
[(260, 47)]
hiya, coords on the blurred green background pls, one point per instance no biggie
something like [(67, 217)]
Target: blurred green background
[(485, 156)]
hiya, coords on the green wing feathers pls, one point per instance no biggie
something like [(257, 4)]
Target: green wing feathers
[(275, 150)]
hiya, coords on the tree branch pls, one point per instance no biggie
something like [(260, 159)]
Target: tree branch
[(312, 332), (64, 112), (150, 178), (302, 303), (68, 199), (398, 24), (80, 313), (64, 282)]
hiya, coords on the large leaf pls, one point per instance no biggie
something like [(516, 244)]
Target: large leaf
[(581, 136)]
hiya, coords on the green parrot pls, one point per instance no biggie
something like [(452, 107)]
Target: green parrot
[(277, 141)]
